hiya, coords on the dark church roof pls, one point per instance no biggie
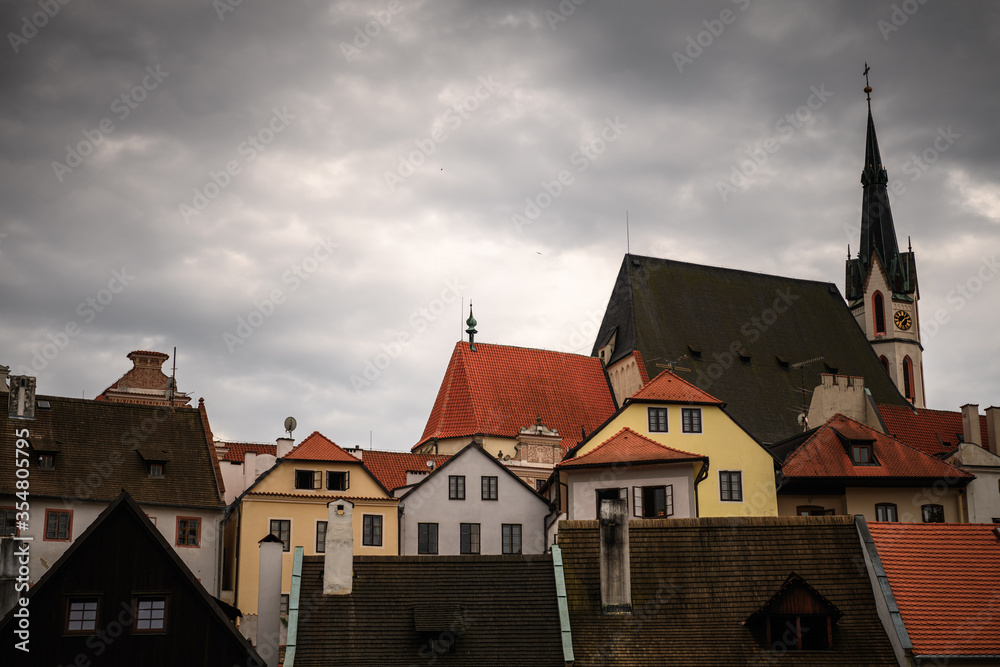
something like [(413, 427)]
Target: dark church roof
[(742, 333)]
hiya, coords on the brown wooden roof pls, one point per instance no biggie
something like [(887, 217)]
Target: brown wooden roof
[(98, 452), (502, 609), (694, 582)]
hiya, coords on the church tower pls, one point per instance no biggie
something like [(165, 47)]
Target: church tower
[(881, 286)]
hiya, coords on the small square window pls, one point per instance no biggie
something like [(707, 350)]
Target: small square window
[(731, 485), (156, 470), (282, 529), (456, 487), (511, 534), (308, 479), (46, 462), (321, 537), (691, 420), (188, 532), (861, 455), (150, 614), (337, 481), (58, 525), (489, 488), (657, 501), (932, 513), (371, 534), (469, 538), (427, 538), (657, 420), (886, 512), (81, 615)]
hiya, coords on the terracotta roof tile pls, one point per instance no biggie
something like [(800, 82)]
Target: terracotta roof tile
[(237, 450), (930, 431), (499, 389), (627, 445), (824, 454), (316, 496), (317, 447), (946, 581), (390, 468), (668, 386)]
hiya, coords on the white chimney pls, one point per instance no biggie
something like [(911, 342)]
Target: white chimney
[(249, 469), (284, 446), (993, 428), (971, 430), (338, 561), (269, 600), (616, 575)]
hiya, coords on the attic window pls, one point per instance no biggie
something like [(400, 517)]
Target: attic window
[(861, 455), (308, 479), (694, 352), (783, 363), (744, 357), (44, 405), (156, 470), (796, 618), (46, 462)]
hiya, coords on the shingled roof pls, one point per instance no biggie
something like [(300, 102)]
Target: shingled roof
[(498, 390), (930, 431), (501, 610), (390, 468), (695, 582), (668, 387), (667, 309), (100, 448), (946, 582), (825, 456), (236, 451)]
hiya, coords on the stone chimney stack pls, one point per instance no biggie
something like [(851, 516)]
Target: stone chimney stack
[(269, 599), (4, 372), (616, 572), (993, 428), (338, 561), (971, 431), (284, 446), (21, 400)]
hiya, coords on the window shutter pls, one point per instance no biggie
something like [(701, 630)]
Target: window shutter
[(669, 500), (637, 501), (347, 480), (318, 479)]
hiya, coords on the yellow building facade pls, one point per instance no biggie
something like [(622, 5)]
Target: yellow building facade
[(740, 479)]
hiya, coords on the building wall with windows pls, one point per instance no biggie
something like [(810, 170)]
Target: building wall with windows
[(434, 501), (908, 501), (275, 498), (583, 484), (728, 447)]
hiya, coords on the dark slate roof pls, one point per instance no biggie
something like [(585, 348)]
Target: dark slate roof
[(119, 555), (503, 609), (666, 309), (103, 449), (695, 582)]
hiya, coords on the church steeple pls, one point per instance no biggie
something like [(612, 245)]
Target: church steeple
[(881, 287)]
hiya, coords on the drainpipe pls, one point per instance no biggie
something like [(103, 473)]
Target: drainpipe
[(702, 476)]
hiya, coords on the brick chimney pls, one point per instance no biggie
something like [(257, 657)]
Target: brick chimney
[(269, 599), (971, 430), (993, 428), (616, 574), (338, 561)]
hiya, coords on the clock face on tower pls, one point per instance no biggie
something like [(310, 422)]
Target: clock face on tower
[(903, 320)]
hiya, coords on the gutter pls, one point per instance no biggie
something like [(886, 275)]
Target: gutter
[(564, 627), (888, 611), (702, 476), (291, 638)]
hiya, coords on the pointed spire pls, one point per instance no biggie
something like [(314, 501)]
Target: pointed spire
[(472, 328)]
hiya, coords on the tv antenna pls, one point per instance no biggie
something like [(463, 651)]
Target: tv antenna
[(672, 365), (803, 418)]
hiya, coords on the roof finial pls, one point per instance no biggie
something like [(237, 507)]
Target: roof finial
[(868, 88), (848, 252), (472, 328)]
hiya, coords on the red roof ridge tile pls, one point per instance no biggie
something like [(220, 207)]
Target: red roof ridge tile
[(668, 386), (644, 447)]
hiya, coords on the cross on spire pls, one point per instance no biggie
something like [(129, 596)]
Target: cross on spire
[(868, 87)]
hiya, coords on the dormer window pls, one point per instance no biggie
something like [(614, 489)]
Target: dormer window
[(46, 462), (156, 470), (861, 455), (796, 618)]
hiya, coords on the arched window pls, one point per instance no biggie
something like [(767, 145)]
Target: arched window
[(908, 379), (885, 363), (878, 308)]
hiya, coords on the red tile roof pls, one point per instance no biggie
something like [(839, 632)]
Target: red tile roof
[(499, 389), (946, 581), (317, 447), (930, 431), (390, 468), (668, 386), (238, 450), (627, 445), (316, 496), (642, 367), (824, 454)]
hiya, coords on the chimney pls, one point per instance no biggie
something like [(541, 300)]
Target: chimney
[(284, 446), (4, 372), (269, 600), (616, 577), (993, 429), (21, 399), (249, 469), (338, 561), (971, 430)]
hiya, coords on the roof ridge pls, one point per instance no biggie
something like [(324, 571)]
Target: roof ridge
[(726, 268)]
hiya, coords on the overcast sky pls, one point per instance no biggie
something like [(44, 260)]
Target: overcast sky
[(301, 195)]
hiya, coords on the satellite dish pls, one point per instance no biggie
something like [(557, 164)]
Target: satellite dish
[(290, 425), (803, 419)]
